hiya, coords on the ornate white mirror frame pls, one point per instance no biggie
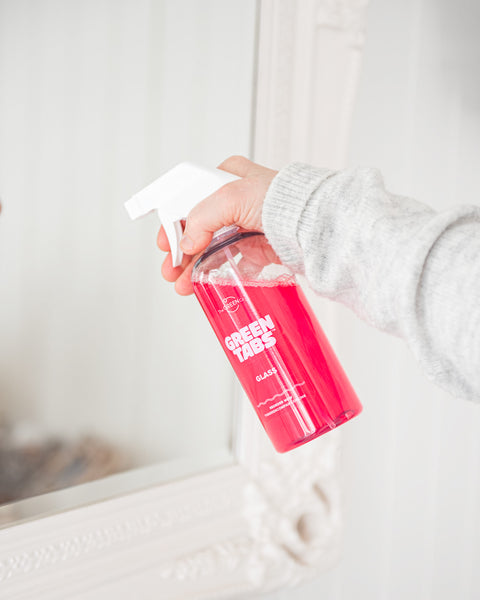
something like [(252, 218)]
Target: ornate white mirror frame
[(267, 520)]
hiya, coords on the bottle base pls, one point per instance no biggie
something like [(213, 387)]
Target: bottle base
[(339, 420)]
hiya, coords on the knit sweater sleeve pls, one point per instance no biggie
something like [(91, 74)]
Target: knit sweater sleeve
[(401, 266)]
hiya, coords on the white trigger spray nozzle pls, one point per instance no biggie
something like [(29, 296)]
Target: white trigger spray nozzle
[(173, 195)]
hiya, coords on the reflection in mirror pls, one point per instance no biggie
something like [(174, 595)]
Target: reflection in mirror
[(103, 368)]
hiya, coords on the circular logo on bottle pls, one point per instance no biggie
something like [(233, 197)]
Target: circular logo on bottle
[(230, 304)]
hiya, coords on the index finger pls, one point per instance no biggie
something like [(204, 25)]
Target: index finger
[(162, 240)]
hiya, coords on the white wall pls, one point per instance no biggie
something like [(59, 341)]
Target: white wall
[(97, 99), (412, 459)]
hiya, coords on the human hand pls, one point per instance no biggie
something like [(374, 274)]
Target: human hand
[(237, 203)]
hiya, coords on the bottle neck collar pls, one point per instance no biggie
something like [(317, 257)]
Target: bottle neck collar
[(230, 235)]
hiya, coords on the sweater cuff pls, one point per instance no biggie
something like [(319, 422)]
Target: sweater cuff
[(283, 207)]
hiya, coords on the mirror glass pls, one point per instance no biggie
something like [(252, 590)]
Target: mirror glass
[(106, 375)]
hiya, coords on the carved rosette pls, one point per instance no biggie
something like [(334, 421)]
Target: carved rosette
[(292, 509)]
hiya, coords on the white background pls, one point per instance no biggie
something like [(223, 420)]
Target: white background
[(98, 98), (412, 459)]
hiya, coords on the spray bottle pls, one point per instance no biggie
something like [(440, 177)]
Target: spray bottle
[(259, 313)]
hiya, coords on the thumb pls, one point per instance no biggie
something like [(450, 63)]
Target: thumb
[(209, 215)]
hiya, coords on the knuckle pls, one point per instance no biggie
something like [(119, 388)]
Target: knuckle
[(235, 161)]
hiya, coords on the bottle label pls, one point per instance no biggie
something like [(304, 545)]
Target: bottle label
[(263, 353), (252, 339), (252, 342)]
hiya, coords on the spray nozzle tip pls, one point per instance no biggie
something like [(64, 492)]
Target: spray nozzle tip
[(133, 209)]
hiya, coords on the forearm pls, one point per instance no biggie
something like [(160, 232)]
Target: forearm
[(398, 264)]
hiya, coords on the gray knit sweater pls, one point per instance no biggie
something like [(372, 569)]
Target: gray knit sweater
[(401, 266)]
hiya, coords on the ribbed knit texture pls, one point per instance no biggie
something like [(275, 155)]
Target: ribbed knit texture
[(401, 266)]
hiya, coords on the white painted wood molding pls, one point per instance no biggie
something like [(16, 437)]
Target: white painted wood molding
[(268, 520)]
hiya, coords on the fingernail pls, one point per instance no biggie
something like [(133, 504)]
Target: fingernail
[(186, 243)]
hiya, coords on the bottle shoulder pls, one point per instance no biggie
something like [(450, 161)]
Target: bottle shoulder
[(244, 256)]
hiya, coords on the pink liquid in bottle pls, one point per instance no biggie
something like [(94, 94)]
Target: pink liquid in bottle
[(279, 353)]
